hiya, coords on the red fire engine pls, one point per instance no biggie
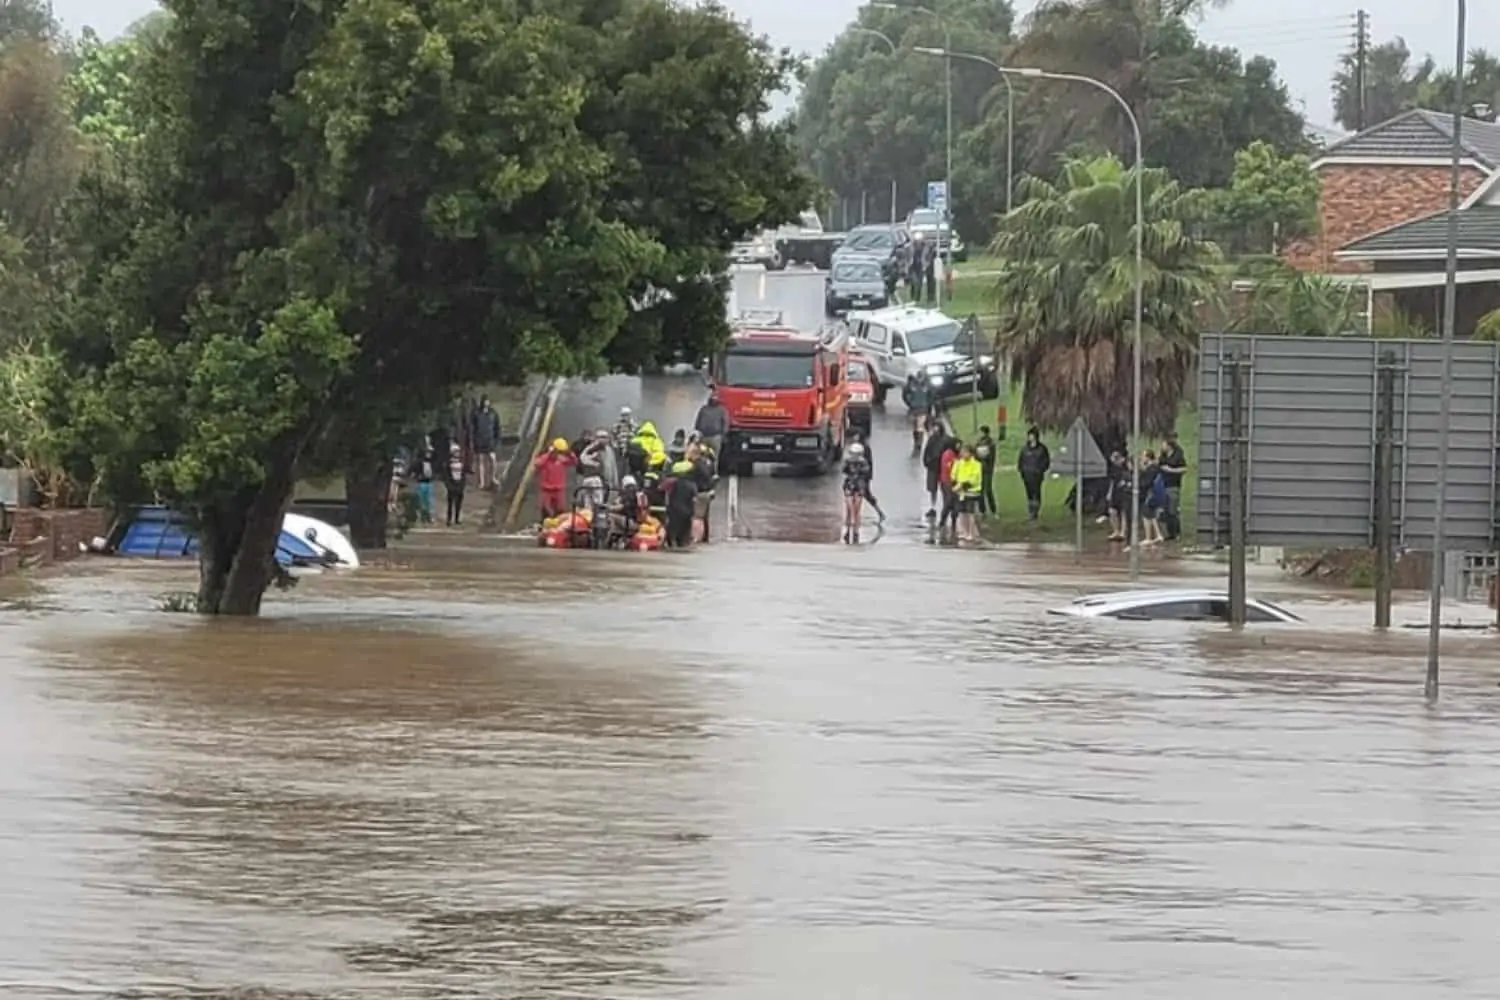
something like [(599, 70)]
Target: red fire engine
[(786, 393)]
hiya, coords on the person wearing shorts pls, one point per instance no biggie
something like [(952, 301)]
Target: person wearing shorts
[(967, 477)]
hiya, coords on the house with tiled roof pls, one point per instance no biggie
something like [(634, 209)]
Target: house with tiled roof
[(1391, 173), (1383, 207)]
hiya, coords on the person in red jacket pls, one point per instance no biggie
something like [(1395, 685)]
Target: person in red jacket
[(948, 522), (552, 477)]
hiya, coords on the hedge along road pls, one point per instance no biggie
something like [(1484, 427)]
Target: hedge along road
[(754, 771)]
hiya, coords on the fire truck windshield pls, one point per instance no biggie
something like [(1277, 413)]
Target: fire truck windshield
[(767, 371)]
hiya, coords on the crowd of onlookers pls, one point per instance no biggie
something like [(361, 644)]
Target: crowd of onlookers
[(457, 452), (1157, 477)]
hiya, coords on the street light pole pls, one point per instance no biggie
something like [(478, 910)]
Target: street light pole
[(1140, 256), (857, 30), (1010, 112), (948, 134), (1445, 407), (871, 32)]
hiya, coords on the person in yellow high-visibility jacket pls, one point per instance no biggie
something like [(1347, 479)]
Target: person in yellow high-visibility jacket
[(968, 485)]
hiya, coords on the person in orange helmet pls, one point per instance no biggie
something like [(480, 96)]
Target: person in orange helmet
[(552, 469)]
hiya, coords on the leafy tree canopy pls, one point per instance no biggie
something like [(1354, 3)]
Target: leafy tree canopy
[(1270, 200), (1197, 104), (1395, 81), (340, 211), (868, 117)]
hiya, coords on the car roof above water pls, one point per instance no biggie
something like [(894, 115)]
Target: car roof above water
[(1126, 599)]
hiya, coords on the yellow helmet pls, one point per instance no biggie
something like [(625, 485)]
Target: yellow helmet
[(561, 444), (681, 467)]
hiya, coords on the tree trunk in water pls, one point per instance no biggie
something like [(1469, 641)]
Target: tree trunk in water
[(237, 547), (367, 487)]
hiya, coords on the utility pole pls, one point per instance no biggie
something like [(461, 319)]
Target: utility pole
[(1361, 58)]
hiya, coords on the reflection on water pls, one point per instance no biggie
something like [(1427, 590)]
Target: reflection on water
[(760, 771)]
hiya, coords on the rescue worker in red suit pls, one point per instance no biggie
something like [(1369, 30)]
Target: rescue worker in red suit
[(552, 470)]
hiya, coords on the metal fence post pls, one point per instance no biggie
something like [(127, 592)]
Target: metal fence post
[(1385, 487), (1238, 481)]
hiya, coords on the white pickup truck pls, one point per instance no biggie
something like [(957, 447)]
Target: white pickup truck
[(903, 341)]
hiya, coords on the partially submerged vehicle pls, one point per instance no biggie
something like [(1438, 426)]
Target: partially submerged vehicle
[(1172, 605), (786, 393), (156, 532)]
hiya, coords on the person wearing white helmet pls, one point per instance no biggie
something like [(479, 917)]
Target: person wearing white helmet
[(859, 439), (624, 429), (856, 486), (626, 508)]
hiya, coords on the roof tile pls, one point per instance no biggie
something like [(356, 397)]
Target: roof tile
[(1478, 229), (1421, 134)]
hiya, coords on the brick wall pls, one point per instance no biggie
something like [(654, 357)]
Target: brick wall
[(1360, 200), (41, 537)]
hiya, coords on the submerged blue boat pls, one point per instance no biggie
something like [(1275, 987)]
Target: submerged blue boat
[(160, 533)]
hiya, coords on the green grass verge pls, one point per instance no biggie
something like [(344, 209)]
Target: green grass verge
[(1055, 523)]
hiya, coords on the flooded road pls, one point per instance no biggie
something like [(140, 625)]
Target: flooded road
[(753, 772)]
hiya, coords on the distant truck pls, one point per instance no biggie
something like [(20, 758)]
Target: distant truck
[(804, 242), (786, 392)]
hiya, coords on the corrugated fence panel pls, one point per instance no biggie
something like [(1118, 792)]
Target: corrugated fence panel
[(1470, 518), (1310, 409)]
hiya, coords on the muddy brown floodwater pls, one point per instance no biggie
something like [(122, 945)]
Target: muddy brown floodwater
[(761, 771)]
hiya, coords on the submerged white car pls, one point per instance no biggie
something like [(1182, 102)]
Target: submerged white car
[(1172, 605)]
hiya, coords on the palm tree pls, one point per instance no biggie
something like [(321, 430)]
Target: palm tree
[(1299, 304), (1066, 295)]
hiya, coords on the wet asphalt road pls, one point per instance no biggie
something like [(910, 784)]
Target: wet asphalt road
[(759, 770)]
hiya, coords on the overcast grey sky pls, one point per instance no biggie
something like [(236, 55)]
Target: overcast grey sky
[(1303, 36)]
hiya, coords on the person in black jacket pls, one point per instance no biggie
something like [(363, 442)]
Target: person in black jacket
[(987, 453), (712, 423), (932, 461), (1033, 464), (681, 503), (484, 430), (855, 437)]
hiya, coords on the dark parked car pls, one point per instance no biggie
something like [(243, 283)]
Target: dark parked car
[(891, 245)]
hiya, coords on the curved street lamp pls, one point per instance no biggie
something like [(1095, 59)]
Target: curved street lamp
[(948, 143), (857, 30), (1140, 256), (882, 36)]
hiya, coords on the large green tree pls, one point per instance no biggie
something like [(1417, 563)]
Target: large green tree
[(869, 117), (1065, 295), (341, 211), (677, 96), (1270, 200), (1196, 103), (1392, 83)]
